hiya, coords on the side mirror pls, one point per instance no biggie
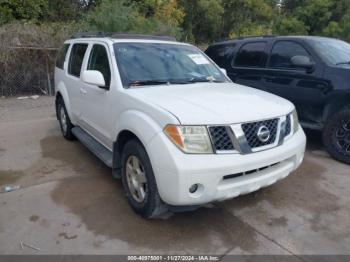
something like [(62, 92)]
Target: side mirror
[(93, 77), (224, 71), (303, 62)]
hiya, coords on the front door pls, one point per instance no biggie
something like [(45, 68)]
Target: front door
[(306, 89), (97, 100)]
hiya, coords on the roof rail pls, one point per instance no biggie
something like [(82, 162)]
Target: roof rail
[(137, 36), (255, 36), (121, 36), (90, 35)]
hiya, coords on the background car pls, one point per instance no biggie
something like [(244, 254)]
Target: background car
[(311, 72)]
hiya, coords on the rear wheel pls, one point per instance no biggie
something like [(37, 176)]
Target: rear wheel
[(336, 136), (64, 120), (139, 181)]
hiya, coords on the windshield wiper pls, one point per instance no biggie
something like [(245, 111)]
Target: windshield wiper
[(203, 80), (194, 80), (343, 63), (148, 82)]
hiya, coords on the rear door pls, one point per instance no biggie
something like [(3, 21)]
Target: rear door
[(305, 89), (249, 64), (76, 57)]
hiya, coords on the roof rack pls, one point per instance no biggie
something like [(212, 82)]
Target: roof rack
[(90, 35), (121, 36), (256, 36)]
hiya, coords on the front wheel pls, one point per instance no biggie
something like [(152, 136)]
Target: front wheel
[(336, 136), (139, 181)]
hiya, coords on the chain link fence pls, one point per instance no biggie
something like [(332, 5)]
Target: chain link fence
[(26, 70)]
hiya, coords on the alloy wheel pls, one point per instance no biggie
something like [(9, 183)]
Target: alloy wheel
[(342, 136), (136, 179)]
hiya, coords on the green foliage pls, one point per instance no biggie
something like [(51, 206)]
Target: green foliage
[(315, 17), (123, 16), (290, 26), (22, 10), (202, 20), (247, 17), (198, 21)]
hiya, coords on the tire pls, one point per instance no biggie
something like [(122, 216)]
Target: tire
[(64, 120), (336, 136), (137, 166)]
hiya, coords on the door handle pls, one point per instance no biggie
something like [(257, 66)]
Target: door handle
[(83, 91)]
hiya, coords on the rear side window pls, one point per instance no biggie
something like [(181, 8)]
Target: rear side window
[(251, 55), (99, 61), (282, 53), (61, 56), (221, 54), (76, 59)]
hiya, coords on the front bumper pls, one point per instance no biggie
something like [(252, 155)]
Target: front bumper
[(176, 171)]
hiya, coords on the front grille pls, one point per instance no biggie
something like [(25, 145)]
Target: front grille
[(288, 125), (220, 138), (251, 132)]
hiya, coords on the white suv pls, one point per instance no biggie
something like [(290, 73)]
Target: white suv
[(169, 122)]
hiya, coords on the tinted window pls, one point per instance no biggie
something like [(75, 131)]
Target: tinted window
[(61, 56), (99, 61), (221, 54), (251, 55), (76, 59), (282, 53)]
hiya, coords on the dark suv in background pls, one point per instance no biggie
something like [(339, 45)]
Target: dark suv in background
[(311, 72)]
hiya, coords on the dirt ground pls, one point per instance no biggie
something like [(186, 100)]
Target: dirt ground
[(69, 203)]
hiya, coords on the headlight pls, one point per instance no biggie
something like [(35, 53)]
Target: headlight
[(295, 121), (190, 139)]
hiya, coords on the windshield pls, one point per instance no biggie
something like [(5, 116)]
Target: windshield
[(155, 63), (333, 51)]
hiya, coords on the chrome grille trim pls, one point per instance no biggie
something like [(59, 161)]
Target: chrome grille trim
[(251, 130), (240, 144)]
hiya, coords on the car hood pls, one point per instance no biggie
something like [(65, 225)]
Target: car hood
[(214, 103)]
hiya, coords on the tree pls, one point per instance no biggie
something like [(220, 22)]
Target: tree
[(202, 21), (125, 16), (314, 17), (32, 10), (247, 17)]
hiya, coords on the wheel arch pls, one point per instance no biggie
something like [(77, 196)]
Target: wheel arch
[(133, 124), (336, 103), (61, 93)]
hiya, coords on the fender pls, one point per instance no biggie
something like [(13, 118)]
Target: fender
[(336, 102), (139, 123)]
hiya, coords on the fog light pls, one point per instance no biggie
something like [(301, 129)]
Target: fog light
[(193, 188)]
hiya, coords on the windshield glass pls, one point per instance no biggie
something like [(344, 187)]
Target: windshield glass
[(155, 63), (333, 51)]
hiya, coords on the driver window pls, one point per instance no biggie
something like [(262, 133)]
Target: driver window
[(99, 61), (282, 53)]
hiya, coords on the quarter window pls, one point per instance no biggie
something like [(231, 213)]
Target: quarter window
[(282, 53), (76, 59), (251, 55), (61, 57), (221, 54), (99, 61)]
